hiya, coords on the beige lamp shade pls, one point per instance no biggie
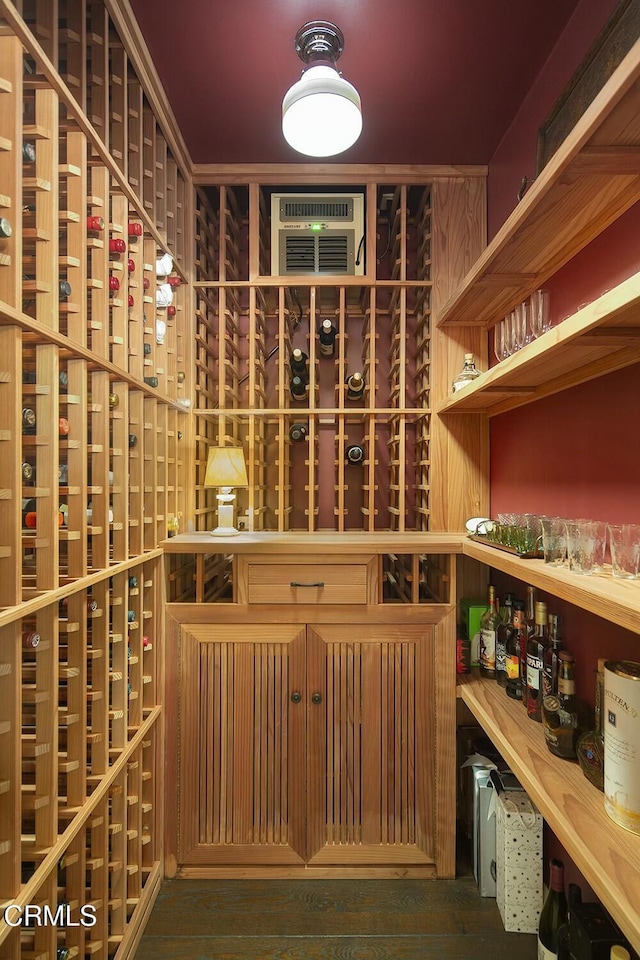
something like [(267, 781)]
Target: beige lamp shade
[(226, 468)]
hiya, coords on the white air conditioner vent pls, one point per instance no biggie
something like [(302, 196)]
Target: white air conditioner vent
[(317, 234)]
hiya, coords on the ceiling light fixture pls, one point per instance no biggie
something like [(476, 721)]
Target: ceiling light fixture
[(321, 113)]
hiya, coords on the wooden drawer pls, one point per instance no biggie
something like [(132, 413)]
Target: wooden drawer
[(298, 581)]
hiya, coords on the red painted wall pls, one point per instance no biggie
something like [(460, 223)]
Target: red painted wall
[(576, 454)]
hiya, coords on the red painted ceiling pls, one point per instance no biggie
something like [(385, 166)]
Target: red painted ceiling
[(440, 80)]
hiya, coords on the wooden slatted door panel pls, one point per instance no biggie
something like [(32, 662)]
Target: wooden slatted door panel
[(371, 745), (242, 744)]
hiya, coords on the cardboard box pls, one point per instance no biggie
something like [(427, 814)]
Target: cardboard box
[(518, 861), (470, 615)]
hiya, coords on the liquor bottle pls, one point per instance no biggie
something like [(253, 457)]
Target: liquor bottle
[(489, 623), (28, 152), (504, 628), (299, 364), (562, 714), (536, 646), (529, 628), (355, 386), (327, 335), (30, 639), (116, 245), (554, 913), (550, 665), (467, 375), (513, 652), (298, 388), (354, 453), (95, 224), (6, 229), (297, 432)]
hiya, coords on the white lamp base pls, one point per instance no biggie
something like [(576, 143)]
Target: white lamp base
[(225, 526), (225, 532)]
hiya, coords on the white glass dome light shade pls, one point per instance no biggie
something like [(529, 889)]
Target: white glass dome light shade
[(321, 113)]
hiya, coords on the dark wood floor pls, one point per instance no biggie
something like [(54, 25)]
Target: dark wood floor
[(328, 920)]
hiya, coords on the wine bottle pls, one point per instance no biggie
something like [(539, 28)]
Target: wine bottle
[(554, 913), (297, 432), (131, 265), (354, 453), (327, 337), (355, 386), (30, 639), (131, 616), (134, 230), (536, 646), (504, 628), (151, 381), (299, 364), (28, 471), (133, 440), (95, 224), (513, 652), (114, 400), (114, 284), (298, 388), (489, 623), (618, 952), (5, 229), (28, 420), (28, 152), (116, 245), (133, 581)]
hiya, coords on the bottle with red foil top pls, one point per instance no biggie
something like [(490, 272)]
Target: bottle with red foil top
[(134, 230), (131, 265), (554, 912), (130, 300), (116, 245), (114, 284), (174, 281), (171, 311), (63, 427), (463, 654), (95, 224)]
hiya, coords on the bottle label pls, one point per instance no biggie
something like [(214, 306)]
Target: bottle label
[(544, 953), (512, 666), (488, 649), (534, 671), (566, 686)]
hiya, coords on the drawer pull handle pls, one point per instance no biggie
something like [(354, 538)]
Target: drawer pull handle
[(316, 698), (296, 697), (296, 583)]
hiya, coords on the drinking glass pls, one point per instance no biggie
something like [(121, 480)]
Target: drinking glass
[(581, 545), (509, 341), (554, 540), (520, 325), (539, 309), (600, 529), (624, 540), (499, 342)]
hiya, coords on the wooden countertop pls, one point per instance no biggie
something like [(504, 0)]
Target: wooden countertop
[(353, 542)]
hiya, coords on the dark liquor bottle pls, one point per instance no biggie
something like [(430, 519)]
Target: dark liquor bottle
[(299, 364), (297, 432), (554, 913), (562, 714), (550, 665), (536, 646), (504, 628), (488, 626), (355, 386), (354, 453), (298, 388), (513, 652), (327, 336), (529, 628)]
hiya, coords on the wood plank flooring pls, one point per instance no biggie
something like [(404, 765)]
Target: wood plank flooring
[(328, 920)]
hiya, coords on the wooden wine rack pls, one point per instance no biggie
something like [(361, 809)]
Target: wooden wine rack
[(101, 469), (248, 323)]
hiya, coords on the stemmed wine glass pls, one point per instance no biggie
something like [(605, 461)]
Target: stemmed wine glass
[(520, 326), (539, 308), (499, 341)]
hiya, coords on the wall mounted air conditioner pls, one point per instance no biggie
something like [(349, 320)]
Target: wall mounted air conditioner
[(317, 234)]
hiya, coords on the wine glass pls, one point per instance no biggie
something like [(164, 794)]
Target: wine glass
[(509, 341), (499, 343), (540, 322), (520, 326)]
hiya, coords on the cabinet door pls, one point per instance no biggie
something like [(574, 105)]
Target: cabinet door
[(242, 744), (371, 736)]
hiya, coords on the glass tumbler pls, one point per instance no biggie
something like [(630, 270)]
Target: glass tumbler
[(581, 545), (554, 540), (624, 541)]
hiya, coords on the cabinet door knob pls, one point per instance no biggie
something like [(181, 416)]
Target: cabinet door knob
[(316, 698), (296, 697)]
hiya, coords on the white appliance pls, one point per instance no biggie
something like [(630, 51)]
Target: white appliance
[(317, 234)]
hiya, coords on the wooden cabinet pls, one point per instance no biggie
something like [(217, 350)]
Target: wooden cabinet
[(307, 738)]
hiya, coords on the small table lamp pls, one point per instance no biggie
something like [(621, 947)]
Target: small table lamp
[(225, 469)]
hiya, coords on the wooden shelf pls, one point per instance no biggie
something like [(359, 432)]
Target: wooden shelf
[(602, 337), (617, 601), (607, 855), (304, 543), (592, 179)]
